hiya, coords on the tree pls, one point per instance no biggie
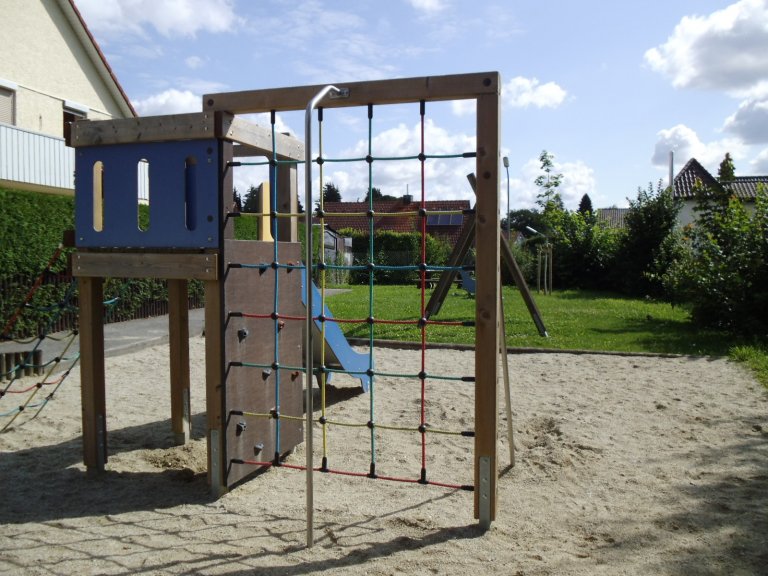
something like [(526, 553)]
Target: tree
[(549, 197), (722, 268), (237, 202), (585, 205), (726, 172), (377, 195), (331, 193), (652, 217), (373, 192), (251, 199), (521, 219), (584, 250)]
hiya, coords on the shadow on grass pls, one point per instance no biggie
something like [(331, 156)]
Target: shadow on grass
[(672, 337)]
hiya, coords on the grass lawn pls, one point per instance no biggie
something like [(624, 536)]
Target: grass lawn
[(580, 320)]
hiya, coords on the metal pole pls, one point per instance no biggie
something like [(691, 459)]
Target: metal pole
[(308, 328), (506, 167)]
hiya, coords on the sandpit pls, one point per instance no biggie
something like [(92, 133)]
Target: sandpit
[(625, 465)]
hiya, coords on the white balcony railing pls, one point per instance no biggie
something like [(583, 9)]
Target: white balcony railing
[(33, 158)]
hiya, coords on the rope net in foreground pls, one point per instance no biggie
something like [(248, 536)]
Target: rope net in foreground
[(375, 424)]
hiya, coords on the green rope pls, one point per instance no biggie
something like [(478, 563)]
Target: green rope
[(371, 281)]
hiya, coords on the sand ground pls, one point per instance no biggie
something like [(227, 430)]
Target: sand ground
[(625, 465)]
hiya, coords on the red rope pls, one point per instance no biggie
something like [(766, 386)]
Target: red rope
[(32, 387), (355, 474), (355, 320)]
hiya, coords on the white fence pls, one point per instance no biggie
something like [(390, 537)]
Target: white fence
[(34, 158)]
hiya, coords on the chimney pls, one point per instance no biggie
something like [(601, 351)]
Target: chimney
[(407, 199)]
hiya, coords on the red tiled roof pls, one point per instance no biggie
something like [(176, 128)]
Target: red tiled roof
[(391, 220)]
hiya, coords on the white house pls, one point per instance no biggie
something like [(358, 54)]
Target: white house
[(52, 72), (744, 188)]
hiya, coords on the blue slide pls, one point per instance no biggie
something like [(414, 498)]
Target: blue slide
[(338, 353), (467, 282)]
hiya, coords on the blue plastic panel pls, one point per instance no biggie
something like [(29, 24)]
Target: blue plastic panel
[(183, 181)]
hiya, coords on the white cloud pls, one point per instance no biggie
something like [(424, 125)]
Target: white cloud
[(724, 50), (169, 102), (463, 107), (168, 17), (578, 179), (522, 92), (686, 144), (428, 6), (750, 122), (194, 62), (759, 165), (445, 178)]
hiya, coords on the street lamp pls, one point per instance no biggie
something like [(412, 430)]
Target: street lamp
[(506, 167)]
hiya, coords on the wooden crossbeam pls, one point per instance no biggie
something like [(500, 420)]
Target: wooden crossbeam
[(399, 91)]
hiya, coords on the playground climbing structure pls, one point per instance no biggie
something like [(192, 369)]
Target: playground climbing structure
[(255, 373)]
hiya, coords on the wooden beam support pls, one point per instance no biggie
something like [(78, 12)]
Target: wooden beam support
[(175, 127), (287, 202), (517, 275), (214, 385), (257, 138), (195, 126), (456, 259), (487, 308), (174, 266), (92, 387), (178, 340), (400, 91)]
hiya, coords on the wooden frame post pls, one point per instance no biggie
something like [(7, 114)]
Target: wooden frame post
[(487, 307), (92, 387), (178, 341), (287, 202)]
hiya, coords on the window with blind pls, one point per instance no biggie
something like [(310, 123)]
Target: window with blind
[(7, 106)]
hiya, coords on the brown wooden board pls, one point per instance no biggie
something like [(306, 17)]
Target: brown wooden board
[(252, 340), (177, 265), (174, 127), (402, 90)]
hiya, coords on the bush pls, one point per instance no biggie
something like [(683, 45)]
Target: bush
[(721, 268), (526, 261), (584, 250), (641, 261), (394, 249), (32, 225)]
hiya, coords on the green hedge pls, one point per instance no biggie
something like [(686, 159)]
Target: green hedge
[(394, 249), (31, 227)]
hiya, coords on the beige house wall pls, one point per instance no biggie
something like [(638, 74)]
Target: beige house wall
[(46, 59)]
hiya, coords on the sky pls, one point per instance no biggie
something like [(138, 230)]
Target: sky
[(608, 88)]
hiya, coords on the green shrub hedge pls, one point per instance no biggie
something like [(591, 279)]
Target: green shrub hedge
[(394, 249)]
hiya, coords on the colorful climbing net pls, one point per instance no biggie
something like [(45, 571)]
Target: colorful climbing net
[(369, 375), (17, 365)]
